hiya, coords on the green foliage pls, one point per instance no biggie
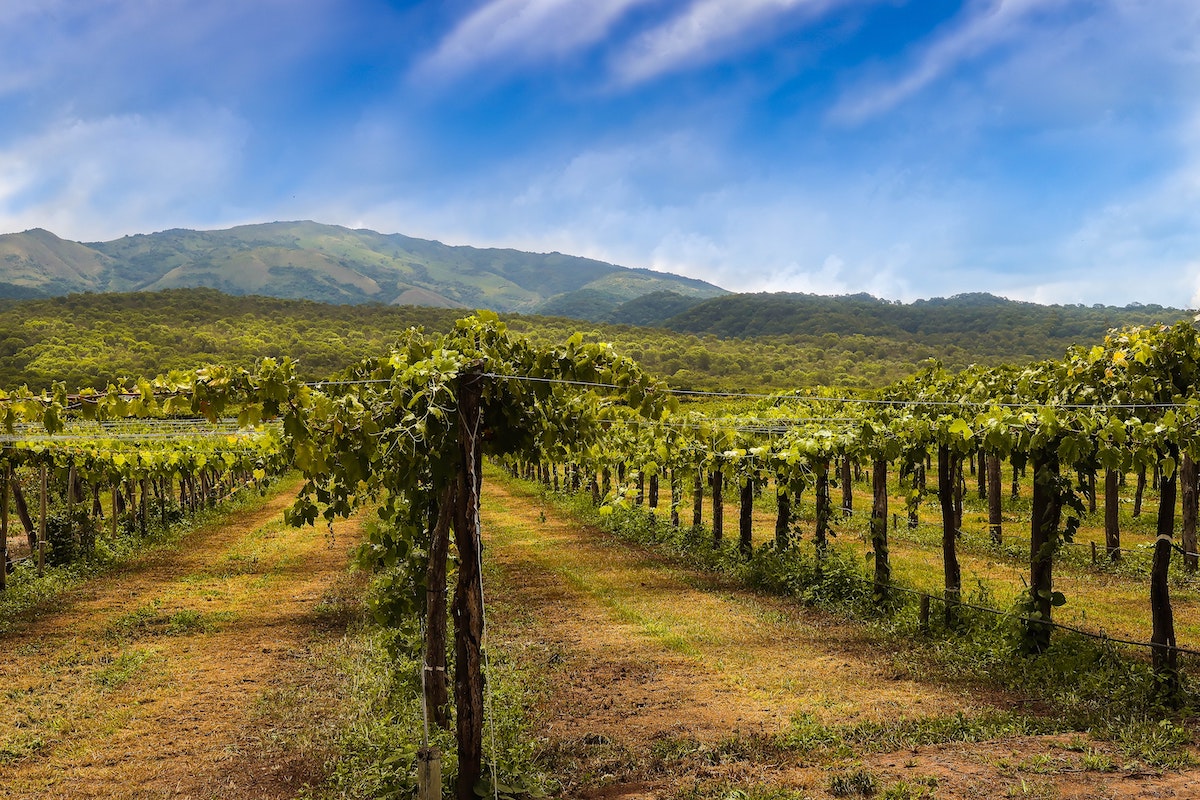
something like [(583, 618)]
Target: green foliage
[(855, 782)]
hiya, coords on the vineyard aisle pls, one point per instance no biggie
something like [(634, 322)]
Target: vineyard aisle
[(652, 680), (155, 681)]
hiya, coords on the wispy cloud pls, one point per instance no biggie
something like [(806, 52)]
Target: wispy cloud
[(523, 31), (704, 31), (987, 26), (97, 178)]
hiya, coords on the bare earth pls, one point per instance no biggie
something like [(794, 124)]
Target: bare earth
[(651, 671), (148, 683)]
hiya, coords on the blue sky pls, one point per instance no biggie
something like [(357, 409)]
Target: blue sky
[(1044, 150)]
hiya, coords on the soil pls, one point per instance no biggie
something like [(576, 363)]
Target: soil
[(655, 682), (150, 682)]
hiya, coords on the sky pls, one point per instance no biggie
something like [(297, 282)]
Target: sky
[(1043, 150)]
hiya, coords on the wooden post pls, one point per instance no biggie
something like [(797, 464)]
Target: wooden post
[(41, 557), (113, 511), (995, 501), (718, 504), (824, 509), (42, 518), (698, 498), (1047, 510), (847, 488), (676, 490), (468, 594), (879, 534), (783, 517), (652, 500), (1139, 491), (951, 573), (1112, 518), (746, 520), (429, 774), (1164, 656)]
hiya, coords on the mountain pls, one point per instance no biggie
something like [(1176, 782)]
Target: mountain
[(981, 323), (329, 263)]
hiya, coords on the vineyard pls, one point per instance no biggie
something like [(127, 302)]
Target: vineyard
[(991, 502)]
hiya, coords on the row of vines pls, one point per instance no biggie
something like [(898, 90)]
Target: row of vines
[(407, 433)]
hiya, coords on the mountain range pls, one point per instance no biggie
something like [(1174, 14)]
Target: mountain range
[(329, 263)]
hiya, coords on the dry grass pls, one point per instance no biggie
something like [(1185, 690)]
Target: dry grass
[(146, 683)]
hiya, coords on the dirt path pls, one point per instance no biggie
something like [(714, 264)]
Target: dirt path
[(657, 680), (147, 682)]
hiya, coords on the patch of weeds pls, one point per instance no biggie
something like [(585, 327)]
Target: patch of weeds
[(918, 789), (1158, 743), (374, 751), (149, 620), (807, 734), (1032, 789), (856, 782), (725, 792), (21, 746), (121, 669), (1095, 761), (1040, 764)]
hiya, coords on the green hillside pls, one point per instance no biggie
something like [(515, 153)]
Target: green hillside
[(327, 263), (92, 339), (990, 328)]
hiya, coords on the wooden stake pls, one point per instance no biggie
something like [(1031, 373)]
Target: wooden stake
[(429, 774), (468, 594)]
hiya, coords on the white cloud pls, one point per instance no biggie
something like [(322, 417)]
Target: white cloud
[(1073, 59), (989, 25), (704, 31), (93, 179), (523, 31)]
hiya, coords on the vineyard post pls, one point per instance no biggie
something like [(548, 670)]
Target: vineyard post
[(42, 518), (995, 501), (1164, 656), (718, 505), (983, 471), (746, 519), (1112, 523), (468, 594), (113, 511), (947, 478), (676, 490), (653, 498), (1139, 492), (1044, 520), (783, 515), (697, 498), (847, 488), (821, 537), (879, 522)]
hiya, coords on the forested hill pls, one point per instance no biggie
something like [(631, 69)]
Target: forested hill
[(988, 326), (92, 339), (328, 263)]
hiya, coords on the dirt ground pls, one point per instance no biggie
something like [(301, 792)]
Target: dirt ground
[(148, 683), (658, 682)]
